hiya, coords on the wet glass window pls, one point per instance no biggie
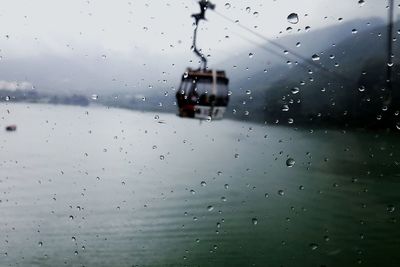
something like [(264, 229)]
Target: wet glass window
[(200, 133)]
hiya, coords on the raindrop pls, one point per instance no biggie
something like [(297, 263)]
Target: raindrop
[(285, 108), (236, 155), (40, 244), (162, 157), (390, 208), (254, 221), (156, 117), (203, 183), (290, 162), (295, 90), (95, 97), (293, 18), (315, 57), (361, 2), (223, 199), (313, 246), (226, 186), (354, 31), (281, 192), (227, 5), (251, 55), (248, 9), (210, 208), (192, 192), (8, 98)]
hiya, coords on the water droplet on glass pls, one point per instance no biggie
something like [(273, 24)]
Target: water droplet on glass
[(254, 221), (156, 117), (8, 98), (203, 183), (293, 18), (226, 186), (390, 208), (251, 55), (281, 192), (315, 57), (285, 108), (248, 9), (210, 208), (227, 5), (361, 2), (95, 97), (354, 31), (162, 157), (40, 244), (295, 90), (313, 246)]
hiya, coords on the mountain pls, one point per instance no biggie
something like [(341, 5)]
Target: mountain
[(326, 89)]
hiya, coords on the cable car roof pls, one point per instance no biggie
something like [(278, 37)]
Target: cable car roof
[(195, 74)]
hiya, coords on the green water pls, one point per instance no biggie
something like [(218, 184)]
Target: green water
[(108, 187)]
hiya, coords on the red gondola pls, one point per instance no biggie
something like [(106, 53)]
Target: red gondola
[(203, 93)]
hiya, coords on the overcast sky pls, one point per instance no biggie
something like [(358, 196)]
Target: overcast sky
[(145, 34)]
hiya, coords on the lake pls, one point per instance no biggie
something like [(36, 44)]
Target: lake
[(108, 187)]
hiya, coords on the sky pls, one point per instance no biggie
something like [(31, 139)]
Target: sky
[(102, 45)]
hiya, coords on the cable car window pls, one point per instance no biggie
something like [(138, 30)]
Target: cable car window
[(203, 86)]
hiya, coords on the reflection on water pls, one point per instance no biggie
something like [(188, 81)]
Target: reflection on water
[(108, 187)]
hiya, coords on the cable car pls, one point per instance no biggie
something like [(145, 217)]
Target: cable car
[(203, 93)]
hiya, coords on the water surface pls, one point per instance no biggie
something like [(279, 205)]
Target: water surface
[(109, 187)]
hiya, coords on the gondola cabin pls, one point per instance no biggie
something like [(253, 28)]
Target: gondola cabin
[(203, 94)]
